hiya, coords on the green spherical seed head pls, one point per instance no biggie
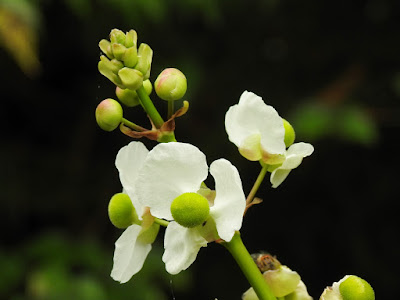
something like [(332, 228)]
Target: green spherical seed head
[(171, 84), (109, 114), (356, 288), (190, 209), (290, 135), (121, 212)]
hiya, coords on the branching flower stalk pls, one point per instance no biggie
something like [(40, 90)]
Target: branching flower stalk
[(164, 186)]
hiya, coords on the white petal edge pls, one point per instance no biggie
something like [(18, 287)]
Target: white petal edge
[(253, 116), (278, 176), (129, 161), (230, 201), (181, 247), (129, 254), (295, 155), (170, 170)]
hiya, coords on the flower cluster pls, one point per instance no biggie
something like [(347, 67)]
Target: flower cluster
[(154, 180)]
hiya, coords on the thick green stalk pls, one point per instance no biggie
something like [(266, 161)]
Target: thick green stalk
[(149, 107), (248, 267)]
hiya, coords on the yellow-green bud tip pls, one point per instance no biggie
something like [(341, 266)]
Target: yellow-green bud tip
[(109, 114), (121, 212), (171, 84), (190, 209), (290, 135), (356, 288)]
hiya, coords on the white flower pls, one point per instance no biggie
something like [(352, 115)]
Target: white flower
[(130, 252), (173, 169), (293, 158), (256, 129)]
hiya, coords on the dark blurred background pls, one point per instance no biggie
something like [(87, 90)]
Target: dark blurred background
[(330, 67)]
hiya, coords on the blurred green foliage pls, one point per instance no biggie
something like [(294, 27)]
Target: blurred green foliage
[(52, 266)]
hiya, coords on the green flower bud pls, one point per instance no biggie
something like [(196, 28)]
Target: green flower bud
[(109, 114), (117, 36), (145, 56), (110, 68), (290, 135), (171, 84), (131, 39), (131, 78), (356, 288), (105, 46), (121, 212), (147, 86), (130, 57), (190, 209), (118, 51), (130, 98), (127, 97)]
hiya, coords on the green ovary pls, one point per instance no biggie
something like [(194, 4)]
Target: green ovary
[(190, 209)]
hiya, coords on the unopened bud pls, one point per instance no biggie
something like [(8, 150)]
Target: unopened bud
[(190, 209), (290, 135), (118, 51), (171, 84), (131, 39), (105, 46), (145, 57), (109, 114), (121, 212), (117, 36), (127, 97), (130, 57), (131, 78), (110, 68)]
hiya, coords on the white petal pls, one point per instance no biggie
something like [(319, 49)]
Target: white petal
[(295, 155), (278, 176), (129, 255), (230, 201), (130, 159), (170, 170), (252, 116), (181, 247)]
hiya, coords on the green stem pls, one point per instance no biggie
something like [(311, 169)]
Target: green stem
[(171, 108), (248, 267), (149, 107), (132, 125), (257, 184), (161, 222)]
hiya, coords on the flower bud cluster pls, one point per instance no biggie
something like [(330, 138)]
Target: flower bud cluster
[(124, 64)]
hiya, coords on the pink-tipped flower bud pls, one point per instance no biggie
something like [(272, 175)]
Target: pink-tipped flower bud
[(109, 114), (171, 84)]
